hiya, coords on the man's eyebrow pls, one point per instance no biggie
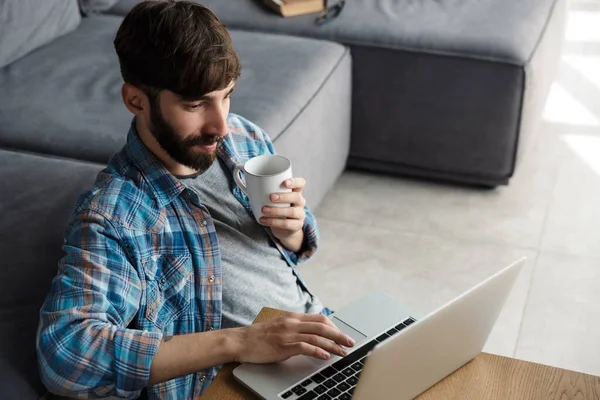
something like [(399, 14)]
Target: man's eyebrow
[(205, 97)]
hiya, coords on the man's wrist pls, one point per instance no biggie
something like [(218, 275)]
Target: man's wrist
[(233, 339), (294, 243)]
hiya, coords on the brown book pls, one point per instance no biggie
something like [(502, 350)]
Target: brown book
[(291, 8)]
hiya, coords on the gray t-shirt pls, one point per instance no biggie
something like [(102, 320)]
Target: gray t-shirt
[(255, 273)]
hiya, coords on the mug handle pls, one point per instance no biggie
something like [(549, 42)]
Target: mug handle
[(238, 179)]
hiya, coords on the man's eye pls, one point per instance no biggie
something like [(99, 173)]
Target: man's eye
[(194, 107)]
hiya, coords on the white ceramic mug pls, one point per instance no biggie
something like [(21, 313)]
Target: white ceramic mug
[(263, 175)]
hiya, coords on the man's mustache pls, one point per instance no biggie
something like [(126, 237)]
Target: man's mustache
[(203, 140)]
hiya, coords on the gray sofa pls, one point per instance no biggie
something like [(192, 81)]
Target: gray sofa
[(36, 196), (61, 118), (64, 98), (403, 100), (448, 89)]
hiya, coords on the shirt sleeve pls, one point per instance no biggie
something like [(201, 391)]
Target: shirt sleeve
[(311, 240), (83, 344), (310, 228)]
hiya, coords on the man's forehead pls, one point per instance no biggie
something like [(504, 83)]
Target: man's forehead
[(210, 95), (216, 93)]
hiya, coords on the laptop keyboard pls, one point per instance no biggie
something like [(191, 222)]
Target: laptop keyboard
[(339, 379)]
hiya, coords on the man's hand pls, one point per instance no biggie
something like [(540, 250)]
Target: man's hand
[(290, 335), (286, 222), (271, 341)]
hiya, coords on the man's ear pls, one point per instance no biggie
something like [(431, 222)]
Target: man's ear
[(134, 99)]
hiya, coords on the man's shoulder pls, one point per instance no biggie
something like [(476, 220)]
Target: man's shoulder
[(121, 200), (239, 125), (246, 139)]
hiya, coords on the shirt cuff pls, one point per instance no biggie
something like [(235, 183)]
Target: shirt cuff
[(134, 352), (309, 244)]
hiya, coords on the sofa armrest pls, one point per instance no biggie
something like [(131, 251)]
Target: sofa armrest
[(14, 385)]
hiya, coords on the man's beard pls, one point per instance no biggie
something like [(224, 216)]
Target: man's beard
[(181, 150)]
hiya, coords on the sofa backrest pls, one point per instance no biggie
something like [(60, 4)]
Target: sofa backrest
[(28, 24), (96, 6), (37, 195)]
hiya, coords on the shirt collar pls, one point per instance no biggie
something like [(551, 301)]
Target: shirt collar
[(164, 186)]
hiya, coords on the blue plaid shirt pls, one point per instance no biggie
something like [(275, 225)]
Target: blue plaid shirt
[(141, 261)]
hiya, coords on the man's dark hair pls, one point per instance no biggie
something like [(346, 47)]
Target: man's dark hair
[(176, 45)]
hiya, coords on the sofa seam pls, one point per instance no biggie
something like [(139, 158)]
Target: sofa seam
[(519, 125), (407, 49), (446, 174), (524, 81), (543, 32), (441, 53), (316, 93), (50, 156)]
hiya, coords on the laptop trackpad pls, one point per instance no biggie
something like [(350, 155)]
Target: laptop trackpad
[(348, 330), (358, 337)]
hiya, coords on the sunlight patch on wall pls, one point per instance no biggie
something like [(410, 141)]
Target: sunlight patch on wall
[(562, 107), (587, 148), (588, 66), (583, 26)]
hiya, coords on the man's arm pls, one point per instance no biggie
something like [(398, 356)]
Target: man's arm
[(302, 245), (266, 342), (185, 354), (85, 350), (294, 243), (83, 344), (253, 141), (293, 226)]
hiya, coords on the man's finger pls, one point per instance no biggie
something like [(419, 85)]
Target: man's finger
[(283, 223), (319, 318), (320, 342), (284, 212), (302, 348), (294, 183), (295, 198), (327, 332), (316, 318)]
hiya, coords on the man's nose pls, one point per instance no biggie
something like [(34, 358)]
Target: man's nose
[(218, 122)]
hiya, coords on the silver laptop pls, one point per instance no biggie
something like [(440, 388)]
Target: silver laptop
[(397, 354)]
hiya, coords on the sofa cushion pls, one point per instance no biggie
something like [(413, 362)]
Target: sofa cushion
[(37, 195), (14, 384), (95, 6), (446, 89), (72, 87), (26, 25), (485, 29)]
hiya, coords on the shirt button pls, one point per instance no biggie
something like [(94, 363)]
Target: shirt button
[(212, 328), (163, 280), (211, 278), (202, 378), (203, 223)]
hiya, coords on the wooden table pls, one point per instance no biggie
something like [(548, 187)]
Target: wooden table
[(487, 377)]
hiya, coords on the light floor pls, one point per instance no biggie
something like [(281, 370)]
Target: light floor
[(424, 242)]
